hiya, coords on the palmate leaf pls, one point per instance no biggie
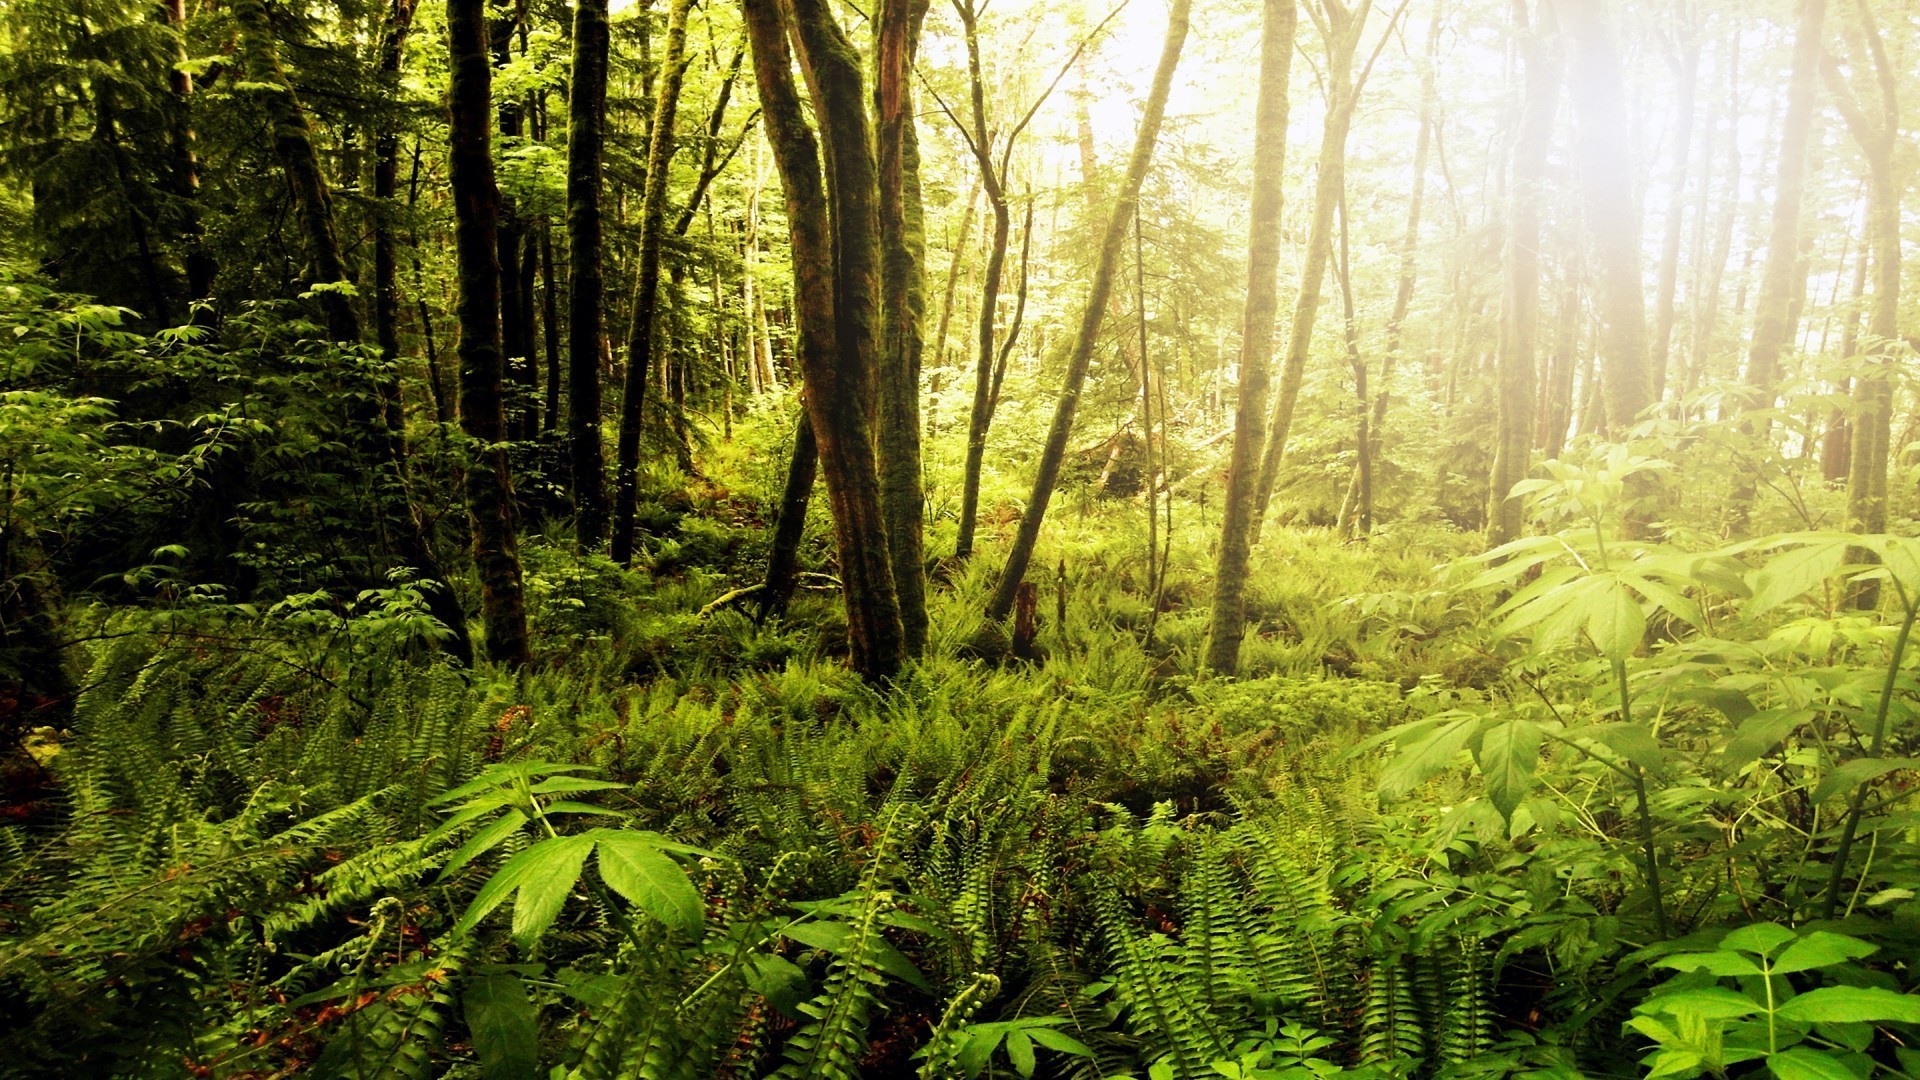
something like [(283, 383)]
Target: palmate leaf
[(1820, 949), (1806, 1063), (1852, 1004), (504, 1025), (1800, 569), (1614, 619), (538, 879), (639, 871), (1851, 775), (1507, 753), (1422, 758)]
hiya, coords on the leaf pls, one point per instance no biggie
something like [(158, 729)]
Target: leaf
[(1508, 753), (649, 880), (1424, 758), (1843, 1004), (545, 891), (977, 1049), (1634, 742), (838, 939), (1615, 621), (1020, 1052), (1059, 1041), (504, 1025), (1759, 734), (1762, 939), (1806, 1063), (483, 841), (1714, 963), (1797, 571), (1845, 778), (1706, 1003), (1820, 949)]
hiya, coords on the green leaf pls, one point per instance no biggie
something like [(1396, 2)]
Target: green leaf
[(838, 939), (1843, 780), (978, 1048), (649, 880), (1428, 756), (1615, 621), (1706, 1003), (1806, 1063), (1020, 1052), (1714, 963), (504, 1025), (1797, 571), (572, 783), (1762, 939), (483, 841), (1633, 742), (545, 891), (1059, 1041), (1508, 753), (1842, 1004), (1821, 949), (1759, 734)]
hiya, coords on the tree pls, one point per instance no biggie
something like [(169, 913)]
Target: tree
[(1080, 351), (1603, 151), (1257, 319), (586, 296), (903, 253), (835, 293), (646, 293), (476, 202), (1514, 368)]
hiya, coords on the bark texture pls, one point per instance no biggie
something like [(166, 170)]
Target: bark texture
[(586, 291)]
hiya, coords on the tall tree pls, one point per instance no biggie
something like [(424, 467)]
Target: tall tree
[(903, 253), (386, 175), (586, 292), (1684, 60), (1278, 21), (1340, 29), (1080, 351), (1603, 151), (1515, 366), (833, 226), (643, 327), (476, 205)]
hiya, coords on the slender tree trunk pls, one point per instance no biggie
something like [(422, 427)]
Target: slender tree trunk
[(1340, 27), (1772, 329), (386, 176), (902, 307), (1080, 353), (646, 295), (1836, 446), (1012, 336), (586, 286), (835, 295), (550, 326), (1362, 495), (1686, 68), (186, 163), (953, 279), (790, 527), (1514, 368), (516, 333), (1603, 151), (1566, 357), (490, 502), (1256, 335), (991, 181)]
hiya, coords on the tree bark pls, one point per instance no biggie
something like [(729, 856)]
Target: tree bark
[(783, 555), (1256, 334), (1515, 365), (1080, 353), (834, 298), (1603, 151), (586, 286), (646, 295), (1686, 69), (386, 176), (902, 308), (992, 182), (476, 199)]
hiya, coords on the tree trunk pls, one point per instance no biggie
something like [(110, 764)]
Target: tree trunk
[(386, 176), (586, 287), (783, 555), (646, 295), (953, 279), (186, 163), (1256, 334), (476, 200), (550, 326), (1340, 28), (1603, 151), (1080, 353), (1686, 68), (516, 333), (991, 181), (1514, 368), (834, 299), (902, 308)]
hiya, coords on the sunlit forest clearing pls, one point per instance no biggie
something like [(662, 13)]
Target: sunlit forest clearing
[(1266, 539)]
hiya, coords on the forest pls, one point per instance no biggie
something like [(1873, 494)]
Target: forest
[(1079, 539)]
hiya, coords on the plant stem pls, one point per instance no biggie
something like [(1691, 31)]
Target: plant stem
[(1837, 876), (1648, 851)]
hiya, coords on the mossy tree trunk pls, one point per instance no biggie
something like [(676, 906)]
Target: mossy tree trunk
[(476, 203), (586, 284), (1080, 351), (1256, 334)]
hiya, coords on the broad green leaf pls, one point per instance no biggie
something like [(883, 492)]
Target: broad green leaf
[(1759, 734), (483, 841), (1819, 949), (1428, 756), (1762, 939), (555, 784), (554, 868), (1841, 1004), (1669, 599), (1706, 1003), (1059, 1041), (975, 1052), (504, 1026), (1714, 963), (1842, 780), (1615, 621), (1020, 1052), (838, 939), (1795, 572), (1806, 1063), (1508, 753), (650, 881), (1633, 742)]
